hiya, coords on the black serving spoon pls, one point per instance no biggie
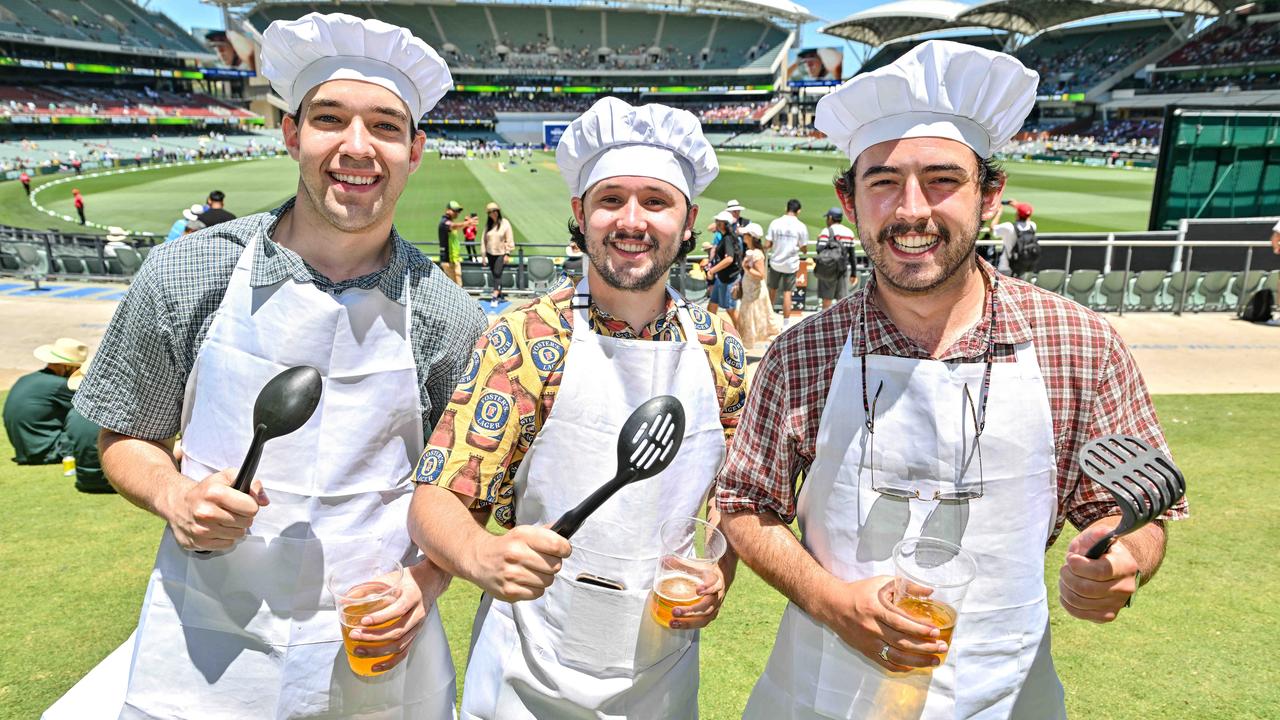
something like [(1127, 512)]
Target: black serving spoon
[(284, 404), (647, 443), (1143, 481)]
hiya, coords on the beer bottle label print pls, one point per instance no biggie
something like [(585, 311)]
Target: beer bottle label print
[(467, 383), (547, 355), (491, 412)]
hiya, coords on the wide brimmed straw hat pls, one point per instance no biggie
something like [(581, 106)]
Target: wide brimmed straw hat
[(63, 351)]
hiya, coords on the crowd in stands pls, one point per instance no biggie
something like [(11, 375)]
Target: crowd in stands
[(114, 22), (69, 100), (484, 107), (1088, 64), (1229, 44), (31, 154), (1210, 82), (552, 56)]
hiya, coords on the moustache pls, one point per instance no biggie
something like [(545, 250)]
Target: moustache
[(921, 227), (616, 236)]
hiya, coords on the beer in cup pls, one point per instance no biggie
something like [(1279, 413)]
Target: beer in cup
[(690, 550), (361, 586), (931, 577)]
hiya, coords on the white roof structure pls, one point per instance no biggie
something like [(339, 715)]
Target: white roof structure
[(1028, 17), (883, 24)]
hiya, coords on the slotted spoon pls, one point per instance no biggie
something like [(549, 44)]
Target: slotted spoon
[(647, 443), (1143, 481)]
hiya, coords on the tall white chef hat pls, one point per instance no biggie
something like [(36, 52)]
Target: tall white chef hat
[(613, 138), (298, 55), (939, 89)]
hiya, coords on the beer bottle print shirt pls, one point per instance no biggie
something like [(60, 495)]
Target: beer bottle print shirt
[(477, 447)]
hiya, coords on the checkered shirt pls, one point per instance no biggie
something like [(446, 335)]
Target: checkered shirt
[(1093, 383), (136, 383)]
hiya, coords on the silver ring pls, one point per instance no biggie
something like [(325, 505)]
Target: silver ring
[(884, 653)]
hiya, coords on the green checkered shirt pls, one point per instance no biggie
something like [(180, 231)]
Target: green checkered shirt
[(137, 380)]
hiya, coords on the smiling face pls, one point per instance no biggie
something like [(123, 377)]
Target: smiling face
[(634, 227), (356, 147), (918, 205)]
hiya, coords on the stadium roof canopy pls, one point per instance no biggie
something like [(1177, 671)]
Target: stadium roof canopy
[(883, 24)]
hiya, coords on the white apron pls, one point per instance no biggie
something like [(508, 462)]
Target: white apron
[(252, 632), (581, 651), (999, 664)]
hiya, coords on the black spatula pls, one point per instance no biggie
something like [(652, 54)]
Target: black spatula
[(648, 442), (1143, 481)]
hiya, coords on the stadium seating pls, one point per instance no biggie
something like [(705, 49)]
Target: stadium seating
[(1081, 286), (1148, 286), (1076, 61), (1212, 290), (576, 35), (116, 22), (1174, 290), (1052, 280)]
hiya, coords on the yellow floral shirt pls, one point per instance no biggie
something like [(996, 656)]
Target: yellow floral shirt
[(511, 383)]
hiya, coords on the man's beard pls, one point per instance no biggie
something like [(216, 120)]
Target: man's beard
[(656, 272), (951, 256)]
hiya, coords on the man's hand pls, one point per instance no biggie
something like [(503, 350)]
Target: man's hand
[(211, 514), (402, 619), (862, 613), (519, 565), (1096, 590), (1275, 242), (701, 613)]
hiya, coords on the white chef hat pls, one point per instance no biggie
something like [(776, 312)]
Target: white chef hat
[(939, 89), (298, 55), (613, 138)]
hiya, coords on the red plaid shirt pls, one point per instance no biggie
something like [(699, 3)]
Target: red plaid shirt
[(1094, 388)]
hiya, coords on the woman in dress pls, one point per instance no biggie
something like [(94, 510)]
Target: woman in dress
[(499, 242), (756, 319)]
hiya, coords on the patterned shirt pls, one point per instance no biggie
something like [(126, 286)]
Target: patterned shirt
[(136, 383), (523, 355), (1093, 384)]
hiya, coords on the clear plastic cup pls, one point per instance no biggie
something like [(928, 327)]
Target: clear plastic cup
[(930, 581), (361, 586), (690, 550)]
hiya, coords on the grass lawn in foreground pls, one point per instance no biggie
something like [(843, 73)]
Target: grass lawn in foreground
[(1067, 198), (1196, 645)]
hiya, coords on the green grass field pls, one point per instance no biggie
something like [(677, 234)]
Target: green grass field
[(535, 198), (1196, 645)]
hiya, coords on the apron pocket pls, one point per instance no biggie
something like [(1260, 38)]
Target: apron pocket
[(988, 676), (851, 686)]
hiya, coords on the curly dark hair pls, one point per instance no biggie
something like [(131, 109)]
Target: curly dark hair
[(990, 177)]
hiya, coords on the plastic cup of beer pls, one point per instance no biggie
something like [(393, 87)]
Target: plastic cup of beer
[(690, 550), (361, 586), (930, 581)]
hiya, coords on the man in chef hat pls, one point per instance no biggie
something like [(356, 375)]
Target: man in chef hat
[(564, 630), (953, 410), (249, 630)]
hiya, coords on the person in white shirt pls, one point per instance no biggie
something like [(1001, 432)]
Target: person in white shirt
[(788, 239), (836, 285), (1275, 239)]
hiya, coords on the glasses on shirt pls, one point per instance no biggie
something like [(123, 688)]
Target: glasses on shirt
[(963, 488)]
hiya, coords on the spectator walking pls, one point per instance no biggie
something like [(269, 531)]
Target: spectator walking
[(25, 179), (181, 225), (499, 243), (78, 199), (1021, 248), (837, 254), (756, 319), (787, 240), (216, 212), (469, 238), (724, 267), (450, 248)]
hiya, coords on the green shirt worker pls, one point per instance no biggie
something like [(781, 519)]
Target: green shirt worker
[(35, 412)]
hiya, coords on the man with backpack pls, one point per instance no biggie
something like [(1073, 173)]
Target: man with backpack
[(1021, 248), (833, 265), (724, 266)]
